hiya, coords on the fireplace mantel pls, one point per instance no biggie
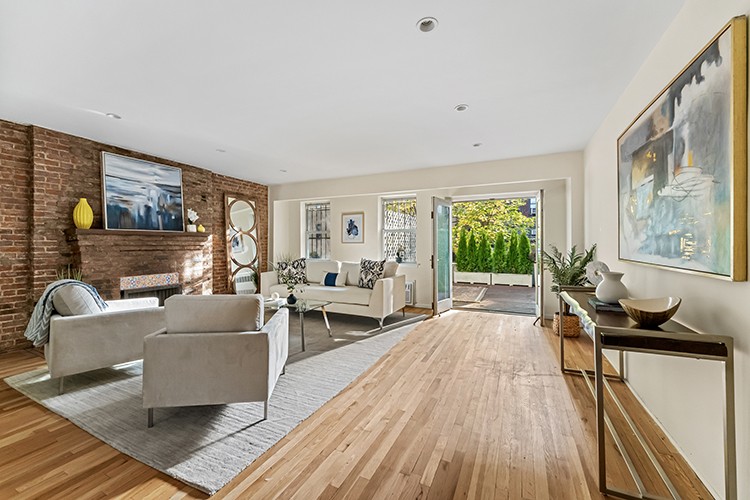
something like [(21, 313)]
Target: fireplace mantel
[(104, 256)]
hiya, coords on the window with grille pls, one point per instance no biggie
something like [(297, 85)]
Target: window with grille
[(400, 229), (318, 230)]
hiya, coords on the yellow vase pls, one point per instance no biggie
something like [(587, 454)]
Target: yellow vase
[(201, 229), (83, 216)]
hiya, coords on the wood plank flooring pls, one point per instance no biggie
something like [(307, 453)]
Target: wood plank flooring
[(469, 405)]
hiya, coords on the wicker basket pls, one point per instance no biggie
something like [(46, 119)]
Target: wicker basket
[(571, 325)]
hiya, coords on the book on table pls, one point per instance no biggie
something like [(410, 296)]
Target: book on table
[(600, 306)]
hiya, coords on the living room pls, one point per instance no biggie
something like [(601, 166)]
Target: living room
[(352, 106)]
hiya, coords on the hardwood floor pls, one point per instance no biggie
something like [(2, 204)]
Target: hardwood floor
[(469, 405)]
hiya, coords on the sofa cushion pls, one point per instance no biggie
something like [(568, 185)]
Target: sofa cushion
[(390, 269), (338, 294), (73, 300), (292, 273), (213, 313), (316, 269), (370, 271), (352, 272)]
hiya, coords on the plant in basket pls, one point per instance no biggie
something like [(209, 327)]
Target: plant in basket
[(568, 270)]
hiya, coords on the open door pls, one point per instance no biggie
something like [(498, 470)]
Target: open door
[(539, 267), (442, 255)]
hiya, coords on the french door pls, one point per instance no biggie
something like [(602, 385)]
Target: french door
[(539, 247), (442, 255)]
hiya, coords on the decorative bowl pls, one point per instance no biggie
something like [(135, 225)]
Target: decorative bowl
[(650, 313)]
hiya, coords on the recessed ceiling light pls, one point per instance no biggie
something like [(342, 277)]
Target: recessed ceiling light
[(113, 115), (461, 107), (282, 170), (427, 24), (221, 150), (477, 144)]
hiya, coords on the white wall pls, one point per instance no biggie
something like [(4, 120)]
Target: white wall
[(559, 175), (685, 395)]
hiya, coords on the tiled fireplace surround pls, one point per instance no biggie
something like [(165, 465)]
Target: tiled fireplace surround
[(43, 173)]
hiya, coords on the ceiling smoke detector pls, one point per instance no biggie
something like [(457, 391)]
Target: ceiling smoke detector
[(427, 24), (461, 107), (477, 144)]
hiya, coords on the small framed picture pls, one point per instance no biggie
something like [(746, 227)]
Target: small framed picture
[(353, 227)]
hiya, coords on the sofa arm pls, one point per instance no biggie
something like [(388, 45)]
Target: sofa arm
[(267, 280), (129, 304), (277, 329), (388, 295)]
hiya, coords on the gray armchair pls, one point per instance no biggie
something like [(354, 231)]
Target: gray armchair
[(214, 350)]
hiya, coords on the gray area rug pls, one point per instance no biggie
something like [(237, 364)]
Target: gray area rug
[(207, 446)]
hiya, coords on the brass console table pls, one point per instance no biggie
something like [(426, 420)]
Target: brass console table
[(616, 331)]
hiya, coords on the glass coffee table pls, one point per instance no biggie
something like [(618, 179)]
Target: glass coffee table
[(303, 306)]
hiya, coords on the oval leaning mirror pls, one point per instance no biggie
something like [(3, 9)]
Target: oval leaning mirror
[(243, 254)]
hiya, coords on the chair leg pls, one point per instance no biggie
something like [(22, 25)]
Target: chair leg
[(265, 410), (283, 369), (61, 385), (150, 417), (380, 322)]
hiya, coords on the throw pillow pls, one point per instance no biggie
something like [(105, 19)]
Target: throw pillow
[(330, 279), (292, 273), (72, 300), (370, 271), (334, 279)]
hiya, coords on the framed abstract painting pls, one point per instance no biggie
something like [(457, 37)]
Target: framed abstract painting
[(353, 227), (682, 167), (141, 195)]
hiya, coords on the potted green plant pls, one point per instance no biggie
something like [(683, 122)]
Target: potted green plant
[(568, 270)]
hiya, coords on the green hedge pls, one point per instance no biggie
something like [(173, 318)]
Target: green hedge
[(511, 257)]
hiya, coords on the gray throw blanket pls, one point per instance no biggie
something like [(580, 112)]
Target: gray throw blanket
[(38, 329)]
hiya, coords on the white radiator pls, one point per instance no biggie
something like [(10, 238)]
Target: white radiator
[(410, 293)]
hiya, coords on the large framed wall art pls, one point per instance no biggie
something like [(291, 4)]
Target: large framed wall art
[(682, 167), (141, 195)]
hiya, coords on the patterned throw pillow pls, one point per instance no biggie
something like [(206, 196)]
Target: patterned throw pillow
[(370, 271), (292, 273)]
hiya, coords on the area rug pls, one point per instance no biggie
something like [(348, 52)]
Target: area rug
[(468, 293), (207, 446)]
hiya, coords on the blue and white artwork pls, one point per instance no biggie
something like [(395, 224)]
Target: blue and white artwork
[(675, 171), (352, 227), (141, 195)]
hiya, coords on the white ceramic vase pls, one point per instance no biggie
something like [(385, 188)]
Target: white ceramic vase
[(611, 289), (191, 228)]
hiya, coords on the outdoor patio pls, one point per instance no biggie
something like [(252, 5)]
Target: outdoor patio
[(501, 298)]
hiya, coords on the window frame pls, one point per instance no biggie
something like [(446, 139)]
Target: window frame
[(324, 234), (383, 204)]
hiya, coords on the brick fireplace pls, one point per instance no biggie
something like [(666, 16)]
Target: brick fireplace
[(105, 257)]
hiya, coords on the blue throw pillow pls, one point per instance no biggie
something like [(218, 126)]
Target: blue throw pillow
[(330, 279)]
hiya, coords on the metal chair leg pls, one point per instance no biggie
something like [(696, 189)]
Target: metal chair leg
[(380, 321), (265, 410), (150, 417), (61, 385)]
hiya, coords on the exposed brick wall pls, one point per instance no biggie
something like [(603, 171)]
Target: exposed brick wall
[(46, 173), (15, 234)]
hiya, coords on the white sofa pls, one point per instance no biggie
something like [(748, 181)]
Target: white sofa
[(83, 342), (386, 297), (215, 350)]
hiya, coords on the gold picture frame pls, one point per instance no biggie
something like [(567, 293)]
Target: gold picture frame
[(682, 167)]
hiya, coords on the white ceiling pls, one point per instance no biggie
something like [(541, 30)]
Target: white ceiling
[(325, 88)]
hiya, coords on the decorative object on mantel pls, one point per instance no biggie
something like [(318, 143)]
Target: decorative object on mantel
[(83, 216), (650, 313), (611, 289), (141, 195), (192, 216), (682, 167), (594, 270), (568, 270), (201, 229)]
